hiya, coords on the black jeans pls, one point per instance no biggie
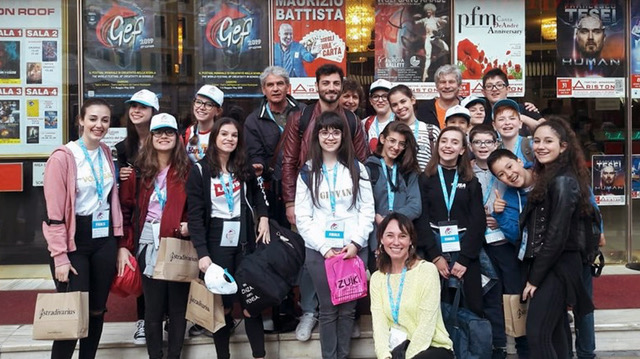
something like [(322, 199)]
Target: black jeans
[(95, 262), (164, 297), (230, 258)]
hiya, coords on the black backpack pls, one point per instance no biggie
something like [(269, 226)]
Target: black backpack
[(305, 118), (590, 248)]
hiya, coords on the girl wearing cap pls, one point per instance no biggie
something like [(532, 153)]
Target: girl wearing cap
[(83, 216), (402, 104), (374, 124), (207, 106), (152, 209), (224, 198), (477, 110)]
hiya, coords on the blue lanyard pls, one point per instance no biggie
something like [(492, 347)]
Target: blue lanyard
[(332, 194), (375, 122), (273, 118), (100, 181), (488, 193), (162, 195), (227, 187), (395, 305), (391, 196), (448, 201), (416, 129)]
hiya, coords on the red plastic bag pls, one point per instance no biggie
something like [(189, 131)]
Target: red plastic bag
[(130, 283), (347, 278)]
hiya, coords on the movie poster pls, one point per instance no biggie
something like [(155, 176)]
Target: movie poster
[(608, 179), (635, 177), (490, 34), (412, 41), (234, 38), (635, 49), (590, 48), (120, 48), (306, 35)]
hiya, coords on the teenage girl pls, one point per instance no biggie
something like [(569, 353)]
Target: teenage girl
[(207, 106)]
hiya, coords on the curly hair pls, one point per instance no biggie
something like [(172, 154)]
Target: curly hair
[(407, 160)]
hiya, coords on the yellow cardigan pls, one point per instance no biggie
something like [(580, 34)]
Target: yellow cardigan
[(420, 316)]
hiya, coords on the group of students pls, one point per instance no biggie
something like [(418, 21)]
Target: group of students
[(418, 210)]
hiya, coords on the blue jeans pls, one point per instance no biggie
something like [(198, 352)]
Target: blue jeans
[(585, 331)]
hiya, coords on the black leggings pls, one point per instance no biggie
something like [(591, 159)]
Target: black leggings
[(95, 262)]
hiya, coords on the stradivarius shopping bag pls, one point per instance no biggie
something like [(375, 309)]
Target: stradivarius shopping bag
[(61, 316)]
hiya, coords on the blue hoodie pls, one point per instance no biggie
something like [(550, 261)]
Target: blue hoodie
[(508, 220)]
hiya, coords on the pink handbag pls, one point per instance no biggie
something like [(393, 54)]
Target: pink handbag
[(347, 279)]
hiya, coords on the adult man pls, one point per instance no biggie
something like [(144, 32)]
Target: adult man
[(263, 129), (607, 182), (448, 80), (590, 36), (289, 54)]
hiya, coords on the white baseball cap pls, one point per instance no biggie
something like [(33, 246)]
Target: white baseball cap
[(163, 120), (215, 94), (219, 281), (146, 98), (471, 100), (458, 110), (380, 84)]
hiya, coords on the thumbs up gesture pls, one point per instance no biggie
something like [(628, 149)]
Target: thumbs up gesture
[(499, 204)]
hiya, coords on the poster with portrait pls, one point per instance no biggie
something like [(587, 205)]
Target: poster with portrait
[(234, 38), (590, 48), (412, 40), (120, 48), (634, 23), (635, 177), (31, 77), (490, 34), (306, 35), (607, 176)]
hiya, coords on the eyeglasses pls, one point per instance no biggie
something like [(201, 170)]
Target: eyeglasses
[(376, 98), (169, 132), (393, 142), (207, 105), (486, 143), (498, 86), (327, 133)]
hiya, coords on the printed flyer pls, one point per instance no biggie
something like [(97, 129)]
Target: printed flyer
[(490, 34), (31, 78), (234, 38), (607, 176), (590, 48), (412, 41), (306, 35)]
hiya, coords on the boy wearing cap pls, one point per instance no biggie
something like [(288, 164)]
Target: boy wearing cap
[(207, 106), (375, 124), (477, 110), (458, 116), (506, 120)]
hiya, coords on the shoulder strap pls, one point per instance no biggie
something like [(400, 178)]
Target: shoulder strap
[(374, 173), (305, 118), (368, 122), (352, 121), (304, 174)]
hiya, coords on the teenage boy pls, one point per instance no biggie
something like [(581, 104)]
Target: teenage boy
[(458, 116), (477, 109), (507, 121)]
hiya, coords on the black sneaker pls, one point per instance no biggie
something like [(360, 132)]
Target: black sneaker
[(499, 353)]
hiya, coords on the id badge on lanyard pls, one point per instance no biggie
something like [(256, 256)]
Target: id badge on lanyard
[(100, 223), (523, 244), (449, 237), (493, 235), (230, 234), (396, 337), (334, 233)]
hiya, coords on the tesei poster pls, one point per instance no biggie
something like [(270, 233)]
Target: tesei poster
[(412, 41), (490, 34), (306, 35), (608, 179), (234, 39), (590, 48), (635, 49)]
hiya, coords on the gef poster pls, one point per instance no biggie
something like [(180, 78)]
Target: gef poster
[(590, 48), (490, 34), (608, 179), (234, 38), (412, 41), (306, 35)]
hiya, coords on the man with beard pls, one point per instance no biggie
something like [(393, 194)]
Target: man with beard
[(590, 36), (296, 141), (607, 182)]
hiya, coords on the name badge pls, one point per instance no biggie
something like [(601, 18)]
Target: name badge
[(493, 235), (396, 337), (230, 234), (449, 238), (100, 224), (523, 244), (334, 233), (296, 55), (155, 230)]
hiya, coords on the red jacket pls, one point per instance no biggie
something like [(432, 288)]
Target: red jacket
[(174, 212)]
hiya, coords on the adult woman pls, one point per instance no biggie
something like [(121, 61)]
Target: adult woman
[(207, 106), (393, 170), (352, 96), (224, 197), (153, 207), (402, 104), (552, 225), (453, 219), (333, 190), (405, 296), (84, 215)]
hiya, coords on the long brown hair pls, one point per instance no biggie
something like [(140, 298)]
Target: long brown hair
[(148, 165), (571, 159), (465, 171), (406, 226), (237, 159), (346, 154), (407, 160), (131, 142)]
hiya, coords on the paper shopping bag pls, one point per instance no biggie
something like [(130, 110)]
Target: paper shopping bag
[(61, 316), (515, 315), (177, 260), (205, 308)]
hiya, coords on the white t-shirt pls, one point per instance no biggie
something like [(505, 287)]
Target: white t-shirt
[(86, 194), (197, 152), (427, 136), (219, 206)]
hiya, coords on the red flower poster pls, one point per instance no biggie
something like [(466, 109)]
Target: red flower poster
[(490, 34)]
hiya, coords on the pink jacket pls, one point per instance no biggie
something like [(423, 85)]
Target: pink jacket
[(60, 176)]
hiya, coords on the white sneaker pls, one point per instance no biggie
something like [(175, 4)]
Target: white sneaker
[(139, 336), (305, 327)]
